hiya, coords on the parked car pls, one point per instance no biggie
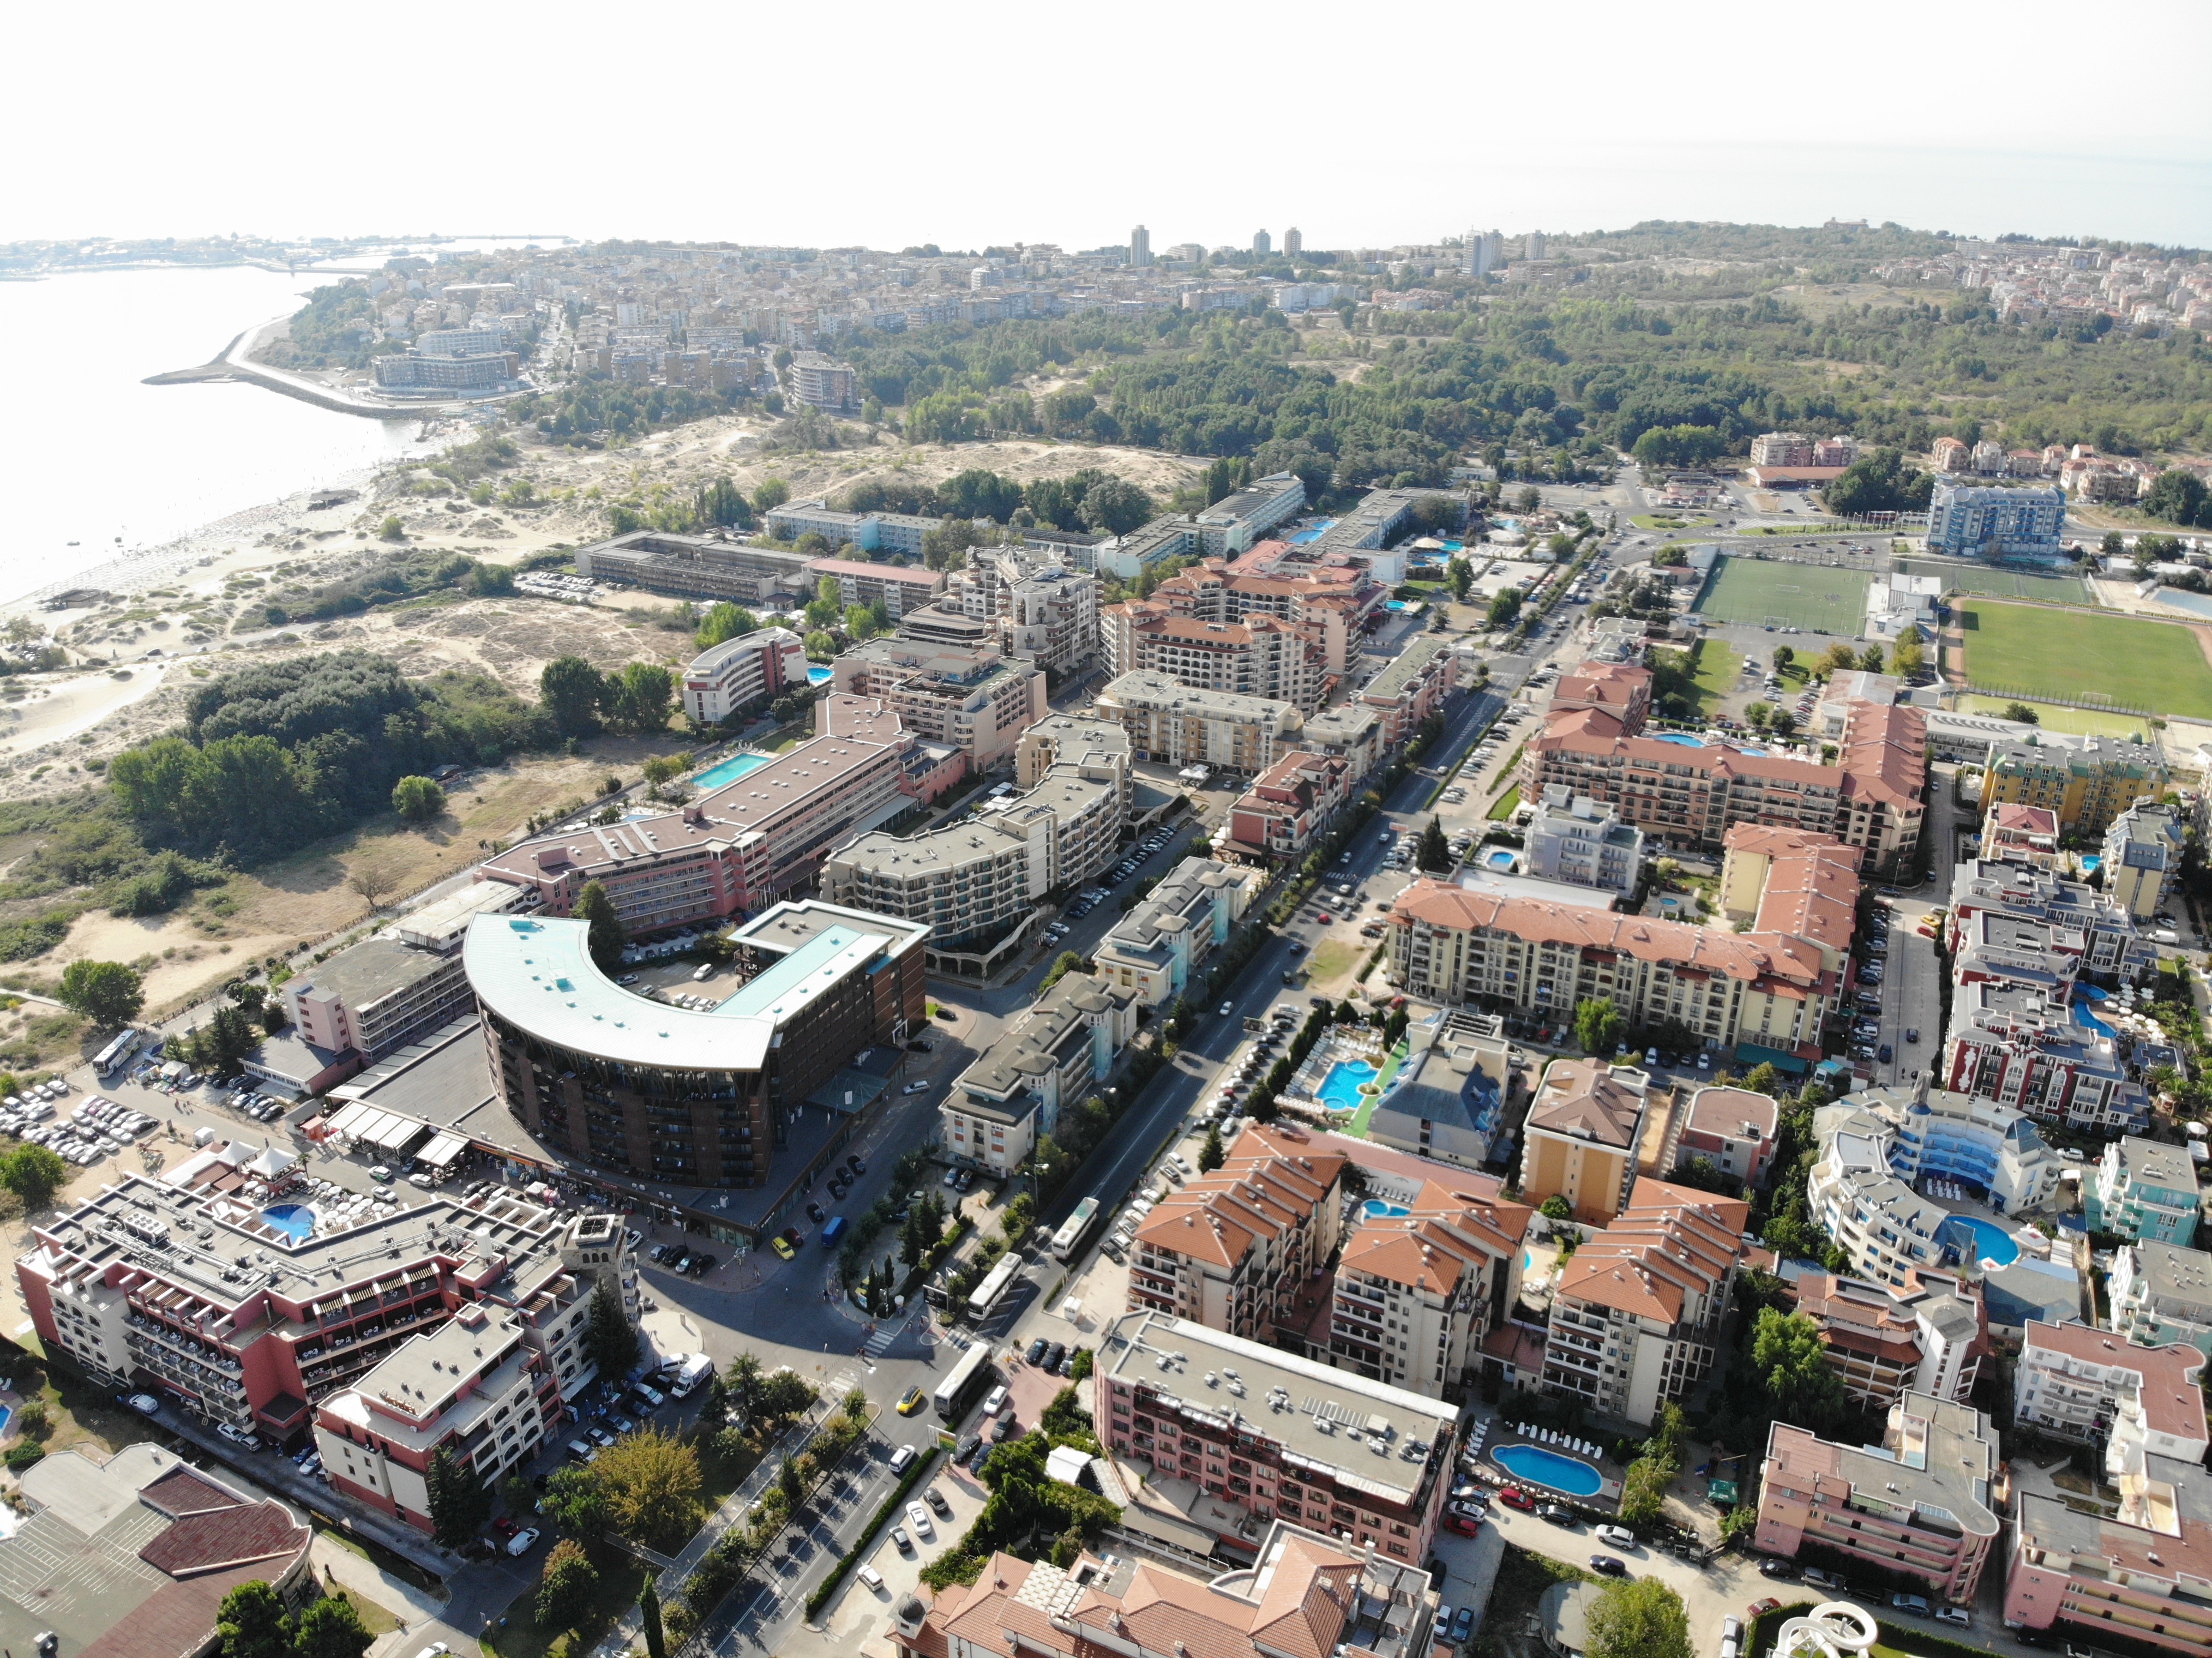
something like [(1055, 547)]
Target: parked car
[(1958, 1615), (1607, 1566), (1559, 1514), (1759, 1608), (1916, 1603), (522, 1542), (1618, 1537), (1775, 1566), (1514, 1497)]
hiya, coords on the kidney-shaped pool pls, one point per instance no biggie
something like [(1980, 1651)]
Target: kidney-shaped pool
[(1539, 1467)]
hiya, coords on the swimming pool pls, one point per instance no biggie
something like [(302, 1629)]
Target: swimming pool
[(1321, 527), (1381, 1211), (1982, 1241), (1677, 738), (2083, 996), (820, 675), (1539, 1467), (296, 1221), (1340, 1087), (7, 1415), (1499, 860), (1393, 604), (728, 771)]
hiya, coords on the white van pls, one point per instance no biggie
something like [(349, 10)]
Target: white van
[(903, 1458), (694, 1368), (994, 1401)]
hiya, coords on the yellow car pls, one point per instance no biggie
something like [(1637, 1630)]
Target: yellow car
[(783, 1249), (912, 1402)]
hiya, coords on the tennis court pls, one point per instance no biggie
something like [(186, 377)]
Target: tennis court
[(1993, 581), (1763, 592)]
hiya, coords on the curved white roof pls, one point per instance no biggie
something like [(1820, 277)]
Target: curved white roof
[(536, 974)]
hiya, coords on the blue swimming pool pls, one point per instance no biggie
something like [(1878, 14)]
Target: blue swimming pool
[(2084, 996), (296, 1221), (1499, 860), (1381, 1211), (1979, 1240), (820, 675), (1539, 1467), (728, 771), (1680, 740), (7, 1415), (1321, 527), (1393, 604), (1340, 1087)]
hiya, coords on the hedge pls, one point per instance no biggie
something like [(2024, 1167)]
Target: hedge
[(851, 1558)]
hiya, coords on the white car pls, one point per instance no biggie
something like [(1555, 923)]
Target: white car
[(918, 1517), (915, 1087), (521, 1543), (1618, 1536), (1226, 1008)]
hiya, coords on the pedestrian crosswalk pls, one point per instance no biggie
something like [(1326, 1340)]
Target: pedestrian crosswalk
[(884, 1336)]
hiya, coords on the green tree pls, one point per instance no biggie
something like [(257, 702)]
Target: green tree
[(2176, 496), (1598, 1025), (860, 623), (608, 937), (1212, 1156), (1763, 1079), (779, 1398), (567, 1585), (770, 493), (2113, 545), (1908, 656), (1791, 1360), (459, 1502), (648, 1614), (106, 992), (1115, 507), (651, 1482), (1504, 607), (1639, 1618), (391, 529), (2021, 713), (640, 697), (573, 691), (1067, 961), (1434, 853), (251, 1623), (1870, 658), (791, 1484), (1556, 1207), (1784, 655), (663, 767), (1782, 722), (1459, 574), (1530, 500), (821, 645), (571, 1500), (723, 622), (332, 1628), (34, 1174), (417, 799), (610, 1340)]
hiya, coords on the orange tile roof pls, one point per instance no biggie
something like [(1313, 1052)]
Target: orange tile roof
[(2172, 1402), (1884, 754)]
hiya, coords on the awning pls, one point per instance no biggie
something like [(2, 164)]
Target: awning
[(1753, 1053), (441, 1150)]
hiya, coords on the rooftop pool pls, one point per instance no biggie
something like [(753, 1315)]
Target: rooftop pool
[(296, 1221), (1378, 1210), (1981, 1240), (1539, 1467), (728, 771)]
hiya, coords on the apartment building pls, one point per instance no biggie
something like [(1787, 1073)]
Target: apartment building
[(373, 997), (1099, 748), (473, 1388), (1332, 603), (1583, 1133), (1274, 1436), (2161, 1293), (1234, 1250), (1245, 517), (2142, 1189), (1169, 721), (1418, 683), (738, 672), (898, 533), (2019, 1044), (1692, 795), (1258, 657), (1060, 1049), (824, 382), (1916, 1505), (1157, 949), (979, 702), (2136, 1574), (1967, 521), (897, 587), (1287, 807), (737, 848), (2088, 781), (1928, 1337), (1949, 456), (1731, 1128), (2079, 1382), (1034, 606), (2027, 836), (1348, 733), (1450, 1097), (709, 566), (179, 1286), (2142, 853), (2086, 934), (1414, 1294), (1763, 990), (1571, 838), (1638, 1312)]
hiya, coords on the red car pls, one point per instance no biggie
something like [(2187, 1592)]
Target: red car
[(1760, 1608), (1514, 1497), (1323, 916), (1461, 1523)]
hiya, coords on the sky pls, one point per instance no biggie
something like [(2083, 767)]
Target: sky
[(993, 122)]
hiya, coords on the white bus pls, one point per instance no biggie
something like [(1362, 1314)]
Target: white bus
[(994, 1285), (1066, 1240), (117, 1054), (958, 1390)]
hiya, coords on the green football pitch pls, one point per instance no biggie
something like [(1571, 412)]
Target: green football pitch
[(1761, 592), (2127, 661)]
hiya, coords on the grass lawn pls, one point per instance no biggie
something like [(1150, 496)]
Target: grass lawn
[(1818, 597), (375, 1617), (1998, 583), (1331, 958), (1506, 803), (2083, 721), (2135, 662), (1718, 670), (1671, 520), (620, 1579)]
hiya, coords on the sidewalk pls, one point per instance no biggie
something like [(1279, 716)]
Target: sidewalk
[(336, 1563)]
